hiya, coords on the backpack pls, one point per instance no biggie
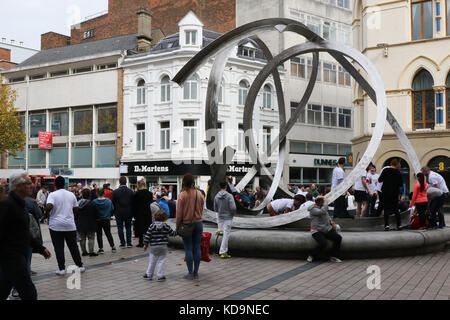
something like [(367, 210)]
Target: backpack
[(35, 231)]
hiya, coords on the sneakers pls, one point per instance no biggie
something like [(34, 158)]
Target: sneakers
[(93, 254), (129, 246), (101, 251), (310, 259), (82, 269), (140, 245), (122, 246), (60, 273), (161, 279), (147, 277), (387, 228), (113, 249), (189, 276), (14, 294), (334, 259), (219, 233), (225, 256), (84, 254)]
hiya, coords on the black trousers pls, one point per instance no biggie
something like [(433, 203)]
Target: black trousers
[(372, 202), (70, 237), (14, 272), (390, 204), (322, 237), (380, 204), (340, 207), (421, 211), (104, 225)]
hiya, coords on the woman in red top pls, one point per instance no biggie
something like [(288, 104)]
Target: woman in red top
[(420, 198)]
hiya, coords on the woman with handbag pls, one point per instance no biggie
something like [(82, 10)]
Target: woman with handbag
[(189, 224)]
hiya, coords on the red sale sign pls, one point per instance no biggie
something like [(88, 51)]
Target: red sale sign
[(45, 140)]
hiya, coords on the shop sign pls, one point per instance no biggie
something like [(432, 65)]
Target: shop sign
[(325, 162)]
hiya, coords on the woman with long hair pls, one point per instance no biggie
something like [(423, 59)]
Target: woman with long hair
[(190, 210), (141, 211), (420, 199)]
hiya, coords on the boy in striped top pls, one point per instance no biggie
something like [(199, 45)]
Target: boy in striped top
[(158, 237)]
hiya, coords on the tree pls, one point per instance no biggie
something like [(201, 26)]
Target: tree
[(12, 137)]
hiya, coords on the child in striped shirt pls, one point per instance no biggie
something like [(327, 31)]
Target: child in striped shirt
[(158, 237)]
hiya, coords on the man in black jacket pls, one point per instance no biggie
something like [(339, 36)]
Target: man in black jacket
[(15, 240), (122, 199), (392, 182)]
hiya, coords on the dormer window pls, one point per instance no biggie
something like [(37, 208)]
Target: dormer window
[(248, 52), (191, 37)]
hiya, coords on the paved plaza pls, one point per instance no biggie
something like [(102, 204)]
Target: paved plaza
[(119, 276)]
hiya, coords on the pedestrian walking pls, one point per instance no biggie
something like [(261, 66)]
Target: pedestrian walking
[(62, 205), (122, 200), (189, 211), (392, 182), (225, 207), (16, 240), (157, 237), (105, 208), (323, 229), (420, 199), (86, 221), (141, 211)]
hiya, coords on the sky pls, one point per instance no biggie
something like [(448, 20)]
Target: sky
[(26, 20)]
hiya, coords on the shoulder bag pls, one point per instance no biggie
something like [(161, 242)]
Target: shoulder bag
[(185, 230)]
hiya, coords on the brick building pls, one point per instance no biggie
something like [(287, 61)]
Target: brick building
[(121, 19)]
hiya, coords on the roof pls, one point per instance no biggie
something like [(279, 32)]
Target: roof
[(80, 50)]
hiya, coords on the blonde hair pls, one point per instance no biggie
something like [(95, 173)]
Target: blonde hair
[(141, 184)]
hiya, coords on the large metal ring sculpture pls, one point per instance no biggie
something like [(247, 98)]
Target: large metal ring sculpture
[(221, 49)]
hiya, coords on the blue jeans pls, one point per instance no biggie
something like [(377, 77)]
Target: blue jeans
[(192, 248), (120, 222)]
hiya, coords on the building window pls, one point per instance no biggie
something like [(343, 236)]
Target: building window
[(140, 137), (59, 156), (314, 113), (241, 136), (36, 157), (165, 135), (220, 137), (298, 67), (319, 70), (330, 149), (422, 19), (267, 97), (297, 147), (82, 122), (448, 17), (60, 123), (314, 148), (313, 23), (141, 92), (165, 89), (301, 118), (191, 37), (329, 72), (59, 73), (221, 92), (248, 52), (38, 76), (88, 34), (190, 88), (82, 70), (190, 134), (329, 116), (345, 118), (105, 154), (448, 99), (106, 66), (107, 120), (37, 123), (423, 101), (343, 77), (243, 92), (345, 149), (14, 80), (266, 139), (82, 155)]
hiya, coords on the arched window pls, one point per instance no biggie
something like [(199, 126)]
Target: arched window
[(243, 92), (447, 82), (190, 88), (267, 97), (141, 92), (165, 89), (423, 101)]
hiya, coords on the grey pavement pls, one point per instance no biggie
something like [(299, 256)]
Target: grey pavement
[(119, 276)]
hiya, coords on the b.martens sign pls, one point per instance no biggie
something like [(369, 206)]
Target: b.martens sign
[(168, 168)]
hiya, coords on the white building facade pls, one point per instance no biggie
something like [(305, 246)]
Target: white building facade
[(324, 130), (164, 124)]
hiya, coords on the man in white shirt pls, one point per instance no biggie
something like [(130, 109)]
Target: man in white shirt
[(302, 191), (340, 204), (309, 201), (62, 205), (372, 178), (280, 206), (437, 181)]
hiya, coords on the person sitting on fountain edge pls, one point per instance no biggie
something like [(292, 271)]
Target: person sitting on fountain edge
[(323, 228), (280, 206)]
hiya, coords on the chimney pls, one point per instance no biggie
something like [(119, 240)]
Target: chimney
[(144, 34), (12, 41)]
